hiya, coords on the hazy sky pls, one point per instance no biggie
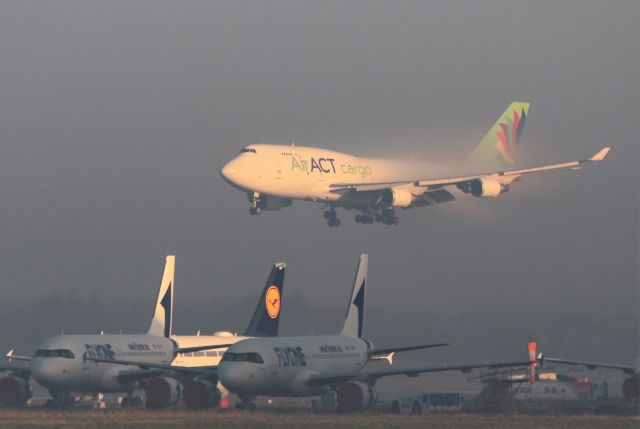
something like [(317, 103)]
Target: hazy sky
[(115, 118)]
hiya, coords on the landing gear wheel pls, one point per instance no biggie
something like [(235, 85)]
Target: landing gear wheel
[(333, 222), (358, 218), (332, 217)]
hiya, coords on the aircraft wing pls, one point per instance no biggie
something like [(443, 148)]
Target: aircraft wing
[(128, 375), (377, 352), (589, 365), (504, 177), (148, 367), (315, 381), (22, 371)]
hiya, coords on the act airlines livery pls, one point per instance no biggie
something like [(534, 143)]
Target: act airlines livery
[(273, 176)]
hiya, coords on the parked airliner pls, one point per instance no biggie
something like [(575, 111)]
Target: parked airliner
[(273, 176), (83, 363), (631, 385), (314, 365)]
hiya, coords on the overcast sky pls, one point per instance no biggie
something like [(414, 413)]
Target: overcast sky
[(115, 118)]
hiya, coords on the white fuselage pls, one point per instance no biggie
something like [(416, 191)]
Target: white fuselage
[(306, 173), (281, 366), (205, 357), (60, 363)]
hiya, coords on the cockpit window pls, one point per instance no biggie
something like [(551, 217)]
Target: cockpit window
[(242, 357), (60, 353), (247, 149)]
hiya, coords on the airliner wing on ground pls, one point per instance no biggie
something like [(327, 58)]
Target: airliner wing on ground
[(371, 376), (627, 369), (161, 367), (630, 386), (483, 184)]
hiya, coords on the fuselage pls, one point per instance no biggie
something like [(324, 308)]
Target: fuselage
[(204, 357), (282, 366), (60, 363), (306, 173)]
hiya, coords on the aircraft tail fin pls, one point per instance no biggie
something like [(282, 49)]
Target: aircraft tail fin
[(162, 321), (266, 317), (353, 323), (531, 348), (503, 139)]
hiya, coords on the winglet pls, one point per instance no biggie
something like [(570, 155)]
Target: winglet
[(10, 355), (600, 155)]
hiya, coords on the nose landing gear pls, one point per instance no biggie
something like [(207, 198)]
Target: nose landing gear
[(255, 203)]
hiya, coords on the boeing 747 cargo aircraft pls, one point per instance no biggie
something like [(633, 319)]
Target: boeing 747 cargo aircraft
[(273, 176)]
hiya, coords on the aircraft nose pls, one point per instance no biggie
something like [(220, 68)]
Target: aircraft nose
[(232, 376), (49, 373), (228, 171)]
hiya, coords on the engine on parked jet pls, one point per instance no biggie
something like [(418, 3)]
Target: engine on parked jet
[(14, 391), (631, 388), (486, 188), (397, 197), (200, 394), (163, 392), (355, 395)]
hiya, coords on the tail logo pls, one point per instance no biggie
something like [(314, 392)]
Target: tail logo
[(509, 135), (272, 301)]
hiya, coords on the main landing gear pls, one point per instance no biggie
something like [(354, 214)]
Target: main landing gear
[(386, 216), (331, 217)]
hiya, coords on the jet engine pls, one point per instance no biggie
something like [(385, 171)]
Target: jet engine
[(397, 197), (200, 394), (14, 391), (163, 392), (631, 388), (355, 395), (486, 188)]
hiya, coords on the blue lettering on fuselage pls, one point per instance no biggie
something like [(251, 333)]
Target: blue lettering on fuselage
[(99, 351), (290, 356)]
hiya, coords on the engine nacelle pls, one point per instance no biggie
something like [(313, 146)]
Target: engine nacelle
[(486, 188), (355, 395), (163, 392), (397, 197), (14, 391), (200, 394), (631, 388)]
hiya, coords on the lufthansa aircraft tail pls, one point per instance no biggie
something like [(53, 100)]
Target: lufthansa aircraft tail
[(162, 322), (266, 318), (502, 141), (354, 319)]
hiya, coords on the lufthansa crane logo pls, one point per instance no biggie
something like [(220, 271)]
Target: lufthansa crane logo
[(272, 301)]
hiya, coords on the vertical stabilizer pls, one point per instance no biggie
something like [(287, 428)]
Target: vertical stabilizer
[(162, 321), (503, 139), (531, 348), (266, 317), (354, 319)]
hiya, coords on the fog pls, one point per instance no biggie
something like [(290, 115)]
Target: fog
[(115, 118)]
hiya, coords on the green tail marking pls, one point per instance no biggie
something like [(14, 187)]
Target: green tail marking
[(502, 140)]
